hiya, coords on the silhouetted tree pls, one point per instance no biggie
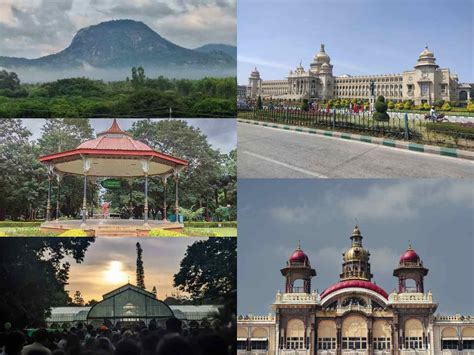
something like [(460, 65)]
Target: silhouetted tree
[(140, 270)]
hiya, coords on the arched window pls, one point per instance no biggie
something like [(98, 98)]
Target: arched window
[(327, 333), (467, 335), (382, 335), (449, 339), (295, 334), (413, 334), (259, 340), (354, 333)]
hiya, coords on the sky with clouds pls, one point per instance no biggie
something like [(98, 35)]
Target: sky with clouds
[(435, 215), (221, 133), (33, 28), (361, 37), (111, 262)]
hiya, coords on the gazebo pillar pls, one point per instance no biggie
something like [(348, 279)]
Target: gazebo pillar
[(176, 207), (58, 179), (86, 165), (48, 204), (145, 167), (165, 185)]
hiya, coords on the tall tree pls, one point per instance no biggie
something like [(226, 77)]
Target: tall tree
[(140, 270), (34, 275), (154, 291), (78, 300)]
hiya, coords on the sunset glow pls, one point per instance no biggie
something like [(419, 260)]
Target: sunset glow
[(114, 273)]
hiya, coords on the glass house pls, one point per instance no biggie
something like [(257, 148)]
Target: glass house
[(129, 304)]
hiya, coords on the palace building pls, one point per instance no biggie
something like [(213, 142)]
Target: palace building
[(425, 83), (355, 315)]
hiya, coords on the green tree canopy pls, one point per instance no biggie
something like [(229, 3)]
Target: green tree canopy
[(34, 275)]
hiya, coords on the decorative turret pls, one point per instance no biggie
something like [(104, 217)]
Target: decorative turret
[(356, 264), (298, 267), (410, 267)]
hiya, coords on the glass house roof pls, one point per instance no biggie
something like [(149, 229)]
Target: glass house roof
[(130, 302)]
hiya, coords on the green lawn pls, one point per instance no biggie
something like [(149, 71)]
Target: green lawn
[(189, 232), (214, 232), (24, 232)]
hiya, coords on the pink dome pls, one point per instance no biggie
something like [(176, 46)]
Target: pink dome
[(354, 283), (299, 256), (410, 256)]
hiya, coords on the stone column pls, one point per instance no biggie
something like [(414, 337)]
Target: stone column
[(145, 167), (48, 205), (338, 336), (58, 179), (86, 166)]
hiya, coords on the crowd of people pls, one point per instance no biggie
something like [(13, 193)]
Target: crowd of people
[(137, 340)]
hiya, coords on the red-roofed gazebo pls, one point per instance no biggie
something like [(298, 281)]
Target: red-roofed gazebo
[(114, 153)]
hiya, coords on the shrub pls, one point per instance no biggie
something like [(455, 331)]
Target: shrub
[(74, 233), (399, 105), (390, 105), (2, 234), (425, 106), (446, 107), (407, 105), (165, 233), (451, 128), (470, 107), (381, 110), (305, 105)]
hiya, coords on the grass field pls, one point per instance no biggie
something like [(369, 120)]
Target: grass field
[(188, 232)]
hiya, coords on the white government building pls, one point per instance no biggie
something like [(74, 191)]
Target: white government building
[(355, 316), (426, 83)]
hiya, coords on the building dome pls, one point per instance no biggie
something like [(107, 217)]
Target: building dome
[(356, 254), (410, 256), (426, 58), (322, 57), (255, 73), (426, 53), (298, 256)]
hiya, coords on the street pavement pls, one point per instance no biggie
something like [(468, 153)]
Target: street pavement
[(265, 152)]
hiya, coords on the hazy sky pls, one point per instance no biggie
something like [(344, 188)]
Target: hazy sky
[(436, 215), (361, 36), (221, 133), (111, 262), (33, 28)]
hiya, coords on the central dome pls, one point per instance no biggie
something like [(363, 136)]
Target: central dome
[(322, 57)]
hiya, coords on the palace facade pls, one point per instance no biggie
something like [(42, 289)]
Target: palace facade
[(355, 315), (426, 83)]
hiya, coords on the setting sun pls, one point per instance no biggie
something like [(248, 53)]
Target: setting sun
[(114, 273)]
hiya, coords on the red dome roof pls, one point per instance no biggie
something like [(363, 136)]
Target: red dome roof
[(115, 139), (354, 283), (298, 256), (409, 256)]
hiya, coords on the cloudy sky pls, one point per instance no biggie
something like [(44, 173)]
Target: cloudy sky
[(435, 215), (33, 28), (221, 133), (362, 37), (111, 262)]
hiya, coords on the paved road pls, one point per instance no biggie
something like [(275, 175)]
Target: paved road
[(273, 153)]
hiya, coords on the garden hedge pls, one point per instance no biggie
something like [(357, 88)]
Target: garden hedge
[(232, 224), (451, 128), (19, 224)]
